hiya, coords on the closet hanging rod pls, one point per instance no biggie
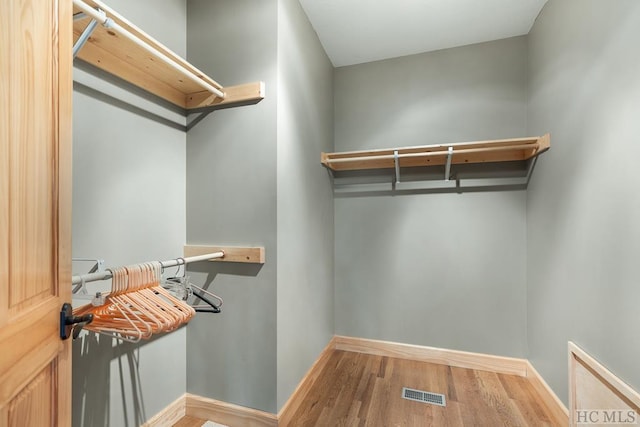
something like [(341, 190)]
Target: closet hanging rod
[(105, 275), (102, 17), (432, 153)]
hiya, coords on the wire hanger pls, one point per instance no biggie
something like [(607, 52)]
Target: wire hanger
[(213, 308), (183, 288)]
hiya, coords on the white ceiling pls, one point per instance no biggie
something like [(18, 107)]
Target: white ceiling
[(356, 31)]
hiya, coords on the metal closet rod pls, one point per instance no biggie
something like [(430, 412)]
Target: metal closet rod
[(107, 22), (105, 275)]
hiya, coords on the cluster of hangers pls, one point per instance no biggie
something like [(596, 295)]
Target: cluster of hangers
[(141, 303)]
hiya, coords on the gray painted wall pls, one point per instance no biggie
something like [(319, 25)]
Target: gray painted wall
[(583, 207), (231, 200), (243, 188), (128, 207), (305, 198), (445, 270)]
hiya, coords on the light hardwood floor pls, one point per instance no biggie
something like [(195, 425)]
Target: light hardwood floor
[(357, 389)]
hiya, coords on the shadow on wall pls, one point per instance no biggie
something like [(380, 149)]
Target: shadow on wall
[(92, 356), (394, 190), (127, 103), (228, 268), (463, 178)]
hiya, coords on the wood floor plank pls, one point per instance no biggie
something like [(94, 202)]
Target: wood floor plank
[(496, 398), (358, 389), (351, 376), (188, 421), (367, 396), (376, 416), (523, 395), (468, 395), (321, 393), (451, 389)]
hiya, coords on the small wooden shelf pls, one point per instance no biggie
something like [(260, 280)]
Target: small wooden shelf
[(117, 55), (252, 255), (503, 150)]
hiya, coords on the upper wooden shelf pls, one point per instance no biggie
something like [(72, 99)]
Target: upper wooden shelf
[(113, 52), (503, 150)]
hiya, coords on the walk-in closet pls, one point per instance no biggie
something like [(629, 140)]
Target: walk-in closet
[(319, 213)]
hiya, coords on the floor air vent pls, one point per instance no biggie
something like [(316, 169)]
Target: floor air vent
[(423, 396)]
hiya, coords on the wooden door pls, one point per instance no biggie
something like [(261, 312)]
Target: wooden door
[(35, 211)]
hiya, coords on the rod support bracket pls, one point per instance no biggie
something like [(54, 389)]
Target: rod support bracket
[(447, 169), (84, 37), (396, 163), (71, 325)]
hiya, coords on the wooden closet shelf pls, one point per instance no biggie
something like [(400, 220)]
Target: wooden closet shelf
[(503, 150), (127, 59)]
